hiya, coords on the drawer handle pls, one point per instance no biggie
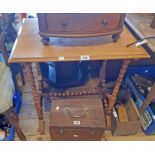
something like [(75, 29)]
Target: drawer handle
[(104, 22), (64, 23), (70, 113)]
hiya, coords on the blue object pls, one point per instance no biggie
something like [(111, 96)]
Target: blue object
[(17, 101), (145, 71), (148, 117), (11, 135), (1, 57)]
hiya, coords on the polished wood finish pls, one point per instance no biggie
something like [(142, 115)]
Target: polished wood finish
[(77, 119), (80, 24), (29, 48)]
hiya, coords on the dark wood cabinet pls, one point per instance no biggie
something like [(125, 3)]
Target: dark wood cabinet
[(77, 119), (80, 24)]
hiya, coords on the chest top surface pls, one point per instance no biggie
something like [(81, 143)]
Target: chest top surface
[(29, 48)]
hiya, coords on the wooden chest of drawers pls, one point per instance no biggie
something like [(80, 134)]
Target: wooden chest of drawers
[(80, 24), (77, 119)]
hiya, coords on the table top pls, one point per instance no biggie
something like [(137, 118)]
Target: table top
[(29, 48)]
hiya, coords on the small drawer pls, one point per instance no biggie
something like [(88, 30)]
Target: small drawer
[(73, 134), (78, 24)]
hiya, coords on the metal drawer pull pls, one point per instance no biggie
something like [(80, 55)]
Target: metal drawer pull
[(104, 22), (70, 113)]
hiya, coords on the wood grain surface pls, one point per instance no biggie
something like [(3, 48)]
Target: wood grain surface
[(29, 48)]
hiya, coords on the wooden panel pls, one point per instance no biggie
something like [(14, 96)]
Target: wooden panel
[(122, 114), (29, 48)]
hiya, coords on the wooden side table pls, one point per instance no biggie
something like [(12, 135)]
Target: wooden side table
[(29, 50)]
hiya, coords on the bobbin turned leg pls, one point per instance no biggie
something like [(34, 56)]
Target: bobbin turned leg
[(102, 77), (112, 98), (102, 84), (36, 96), (40, 88)]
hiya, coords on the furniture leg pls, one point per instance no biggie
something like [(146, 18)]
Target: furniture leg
[(11, 115), (40, 88), (36, 96), (102, 75), (40, 79), (112, 98)]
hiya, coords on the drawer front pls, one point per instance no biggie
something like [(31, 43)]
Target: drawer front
[(81, 23), (74, 134)]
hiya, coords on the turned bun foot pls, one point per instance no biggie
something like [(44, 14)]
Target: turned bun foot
[(115, 37), (45, 40)]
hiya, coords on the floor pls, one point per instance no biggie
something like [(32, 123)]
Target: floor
[(29, 122)]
